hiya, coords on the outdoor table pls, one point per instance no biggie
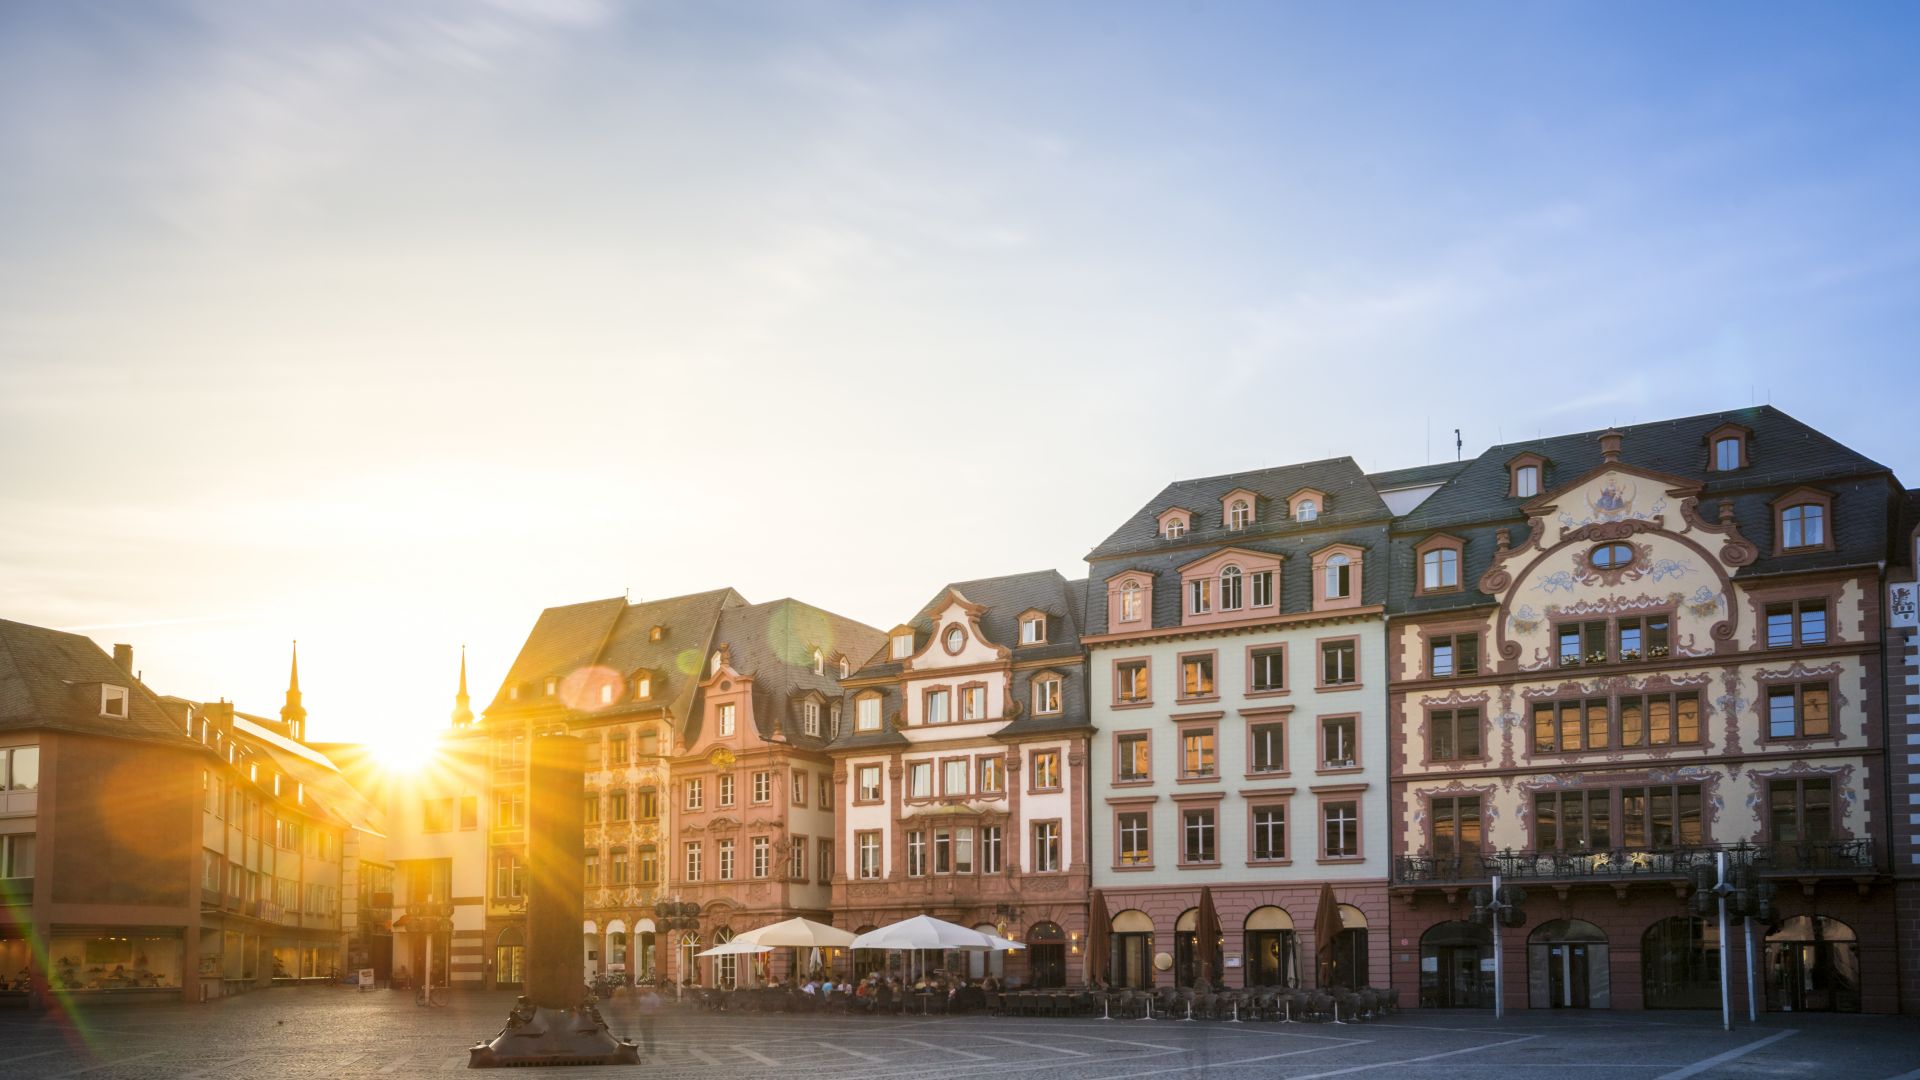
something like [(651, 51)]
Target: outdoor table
[(926, 1000)]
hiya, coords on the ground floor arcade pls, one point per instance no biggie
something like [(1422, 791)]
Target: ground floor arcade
[(1268, 935)]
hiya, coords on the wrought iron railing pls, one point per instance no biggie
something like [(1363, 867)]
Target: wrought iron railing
[(1815, 856)]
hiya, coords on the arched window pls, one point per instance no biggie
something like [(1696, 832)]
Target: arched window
[(1568, 967), (1726, 454), (833, 721), (509, 959), (1175, 528), (689, 960), (727, 971), (843, 667), (1803, 525), (1440, 569), (1813, 965), (1240, 515), (1456, 966), (1131, 596), (643, 687), (1339, 577), (1308, 510), (1230, 588)]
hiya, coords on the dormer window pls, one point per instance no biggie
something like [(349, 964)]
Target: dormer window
[(606, 694), (1046, 695), (1308, 510), (643, 687), (810, 717), (553, 685), (1336, 577), (819, 662), (113, 701), (1132, 599), (713, 665), (833, 721), (723, 720), (1033, 630), (843, 667), (1339, 583), (1726, 454), (1239, 515), (1524, 474), (253, 772), (956, 639), (902, 646), (866, 714), (658, 633), (1230, 593), (1440, 558), (1727, 448), (513, 693), (1803, 526), (1200, 596)]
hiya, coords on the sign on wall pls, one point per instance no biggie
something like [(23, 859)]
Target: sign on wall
[(1902, 597)]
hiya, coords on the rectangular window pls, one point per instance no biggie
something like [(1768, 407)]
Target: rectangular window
[(916, 854), (810, 717), (1643, 637), (1573, 820), (1338, 746), (762, 856), (799, 781), (1131, 681), (1132, 757), (990, 849), (696, 794), (1267, 747), (992, 775), (869, 783), (1267, 670), (937, 707), (1798, 711), (1046, 847), (1341, 829), (1046, 696), (943, 851), (1661, 817), (436, 815), (1197, 752), (963, 849), (16, 855), (726, 860), (825, 787), (1198, 830), (867, 846), (797, 866), (617, 750), (1033, 630), (1801, 622), (1200, 596), (954, 776), (510, 811), (1131, 838), (1801, 811), (693, 860), (1046, 770), (826, 862), (1582, 643), (973, 703), (1337, 666), (762, 787), (920, 780), (649, 805), (1453, 734), (1456, 825), (592, 809), (1269, 832), (1453, 654), (619, 856), (509, 877), (866, 714), (726, 789), (726, 720), (469, 811), (1262, 588), (1196, 675)]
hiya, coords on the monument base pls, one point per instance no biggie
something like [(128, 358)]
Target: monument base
[(542, 1036)]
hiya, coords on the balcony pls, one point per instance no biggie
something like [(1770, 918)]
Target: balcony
[(1812, 858)]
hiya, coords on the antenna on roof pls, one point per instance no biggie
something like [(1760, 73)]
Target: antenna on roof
[(1457, 444)]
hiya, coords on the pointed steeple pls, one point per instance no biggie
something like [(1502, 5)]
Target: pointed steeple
[(462, 708), (294, 714)]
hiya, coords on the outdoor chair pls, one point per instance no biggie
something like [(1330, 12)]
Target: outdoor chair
[(1083, 1004)]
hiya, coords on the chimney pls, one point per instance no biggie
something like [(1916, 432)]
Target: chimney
[(123, 658), (1610, 445)]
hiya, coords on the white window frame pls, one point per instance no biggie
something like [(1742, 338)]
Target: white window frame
[(1033, 631), (696, 797), (1333, 588), (115, 701), (1722, 460), (942, 715), (866, 714), (1131, 595), (1231, 591), (1526, 481), (1239, 515), (810, 717), (869, 794), (724, 719), (902, 646), (762, 857), (1200, 596), (1046, 696)]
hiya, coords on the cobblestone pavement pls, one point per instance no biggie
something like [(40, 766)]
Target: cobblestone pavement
[(345, 1033)]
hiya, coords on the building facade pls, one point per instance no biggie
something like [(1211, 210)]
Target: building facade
[(962, 777), (1236, 651), (1615, 656)]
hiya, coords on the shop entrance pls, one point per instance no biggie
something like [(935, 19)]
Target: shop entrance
[(1813, 965), (1456, 967), (1272, 950), (1046, 955), (1680, 964), (1132, 962), (1567, 966)]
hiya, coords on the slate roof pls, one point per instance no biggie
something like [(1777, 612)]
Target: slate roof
[(774, 643), (616, 634), (1350, 498), (1784, 454), (1004, 599), (50, 679), (1416, 476)]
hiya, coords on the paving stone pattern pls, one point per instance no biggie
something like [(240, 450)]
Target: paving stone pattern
[(346, 1033)]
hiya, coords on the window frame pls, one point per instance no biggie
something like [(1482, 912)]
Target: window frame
[(1257, 653), (865, 868), (1281, 719), (1452, 716), (1121, 810), (1118, 665), (1322, 764), (1191, 729), (862, 705), (1269, 801), (1326, 800), (1802, 499), (1048, 690), (1797, 609), (1034, 757), (1211, 808), (1798, 690), (1799, 789), (995, 763), (1320, 647), (1120, 741), (1211, 658), (1452, 640), (879, 796), (1059, 858), (1453, 801)]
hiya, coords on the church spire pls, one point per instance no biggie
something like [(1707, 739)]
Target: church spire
[(462, 708), (294, 714)]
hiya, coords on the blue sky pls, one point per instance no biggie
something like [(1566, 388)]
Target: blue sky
[(384, 325)]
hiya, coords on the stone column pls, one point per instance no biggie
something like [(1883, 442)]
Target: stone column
[(556, 886)]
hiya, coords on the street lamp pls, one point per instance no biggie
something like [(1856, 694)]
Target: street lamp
[(1739, 893), (1496, 908)]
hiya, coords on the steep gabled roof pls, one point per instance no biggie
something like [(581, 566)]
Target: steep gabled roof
[(773, 643), (45, 681), (1350, 498), (1002, 600)]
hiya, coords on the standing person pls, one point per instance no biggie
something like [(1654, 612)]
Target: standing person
[(649, 1008)]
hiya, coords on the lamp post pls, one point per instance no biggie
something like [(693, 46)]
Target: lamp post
[(672, 916), (1737, 892), (1497, 908)]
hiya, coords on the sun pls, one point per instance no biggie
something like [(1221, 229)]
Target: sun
[(403, 751)]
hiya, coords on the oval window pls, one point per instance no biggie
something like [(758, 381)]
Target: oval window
[(956, 637), (1611, 556)]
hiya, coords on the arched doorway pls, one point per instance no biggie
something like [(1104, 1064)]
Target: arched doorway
[(1131, 964), (1813, 965), (1456, 966), (982, 964), (1046, 955), (689, 962), (1567, 966), (617, 946), (726, 969), (1350, 948), (1680, 964), (1186, 955), (509, 959), (1272, 948), (643, 962), (590, 949)]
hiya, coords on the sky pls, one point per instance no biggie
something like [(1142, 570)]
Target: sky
[(384, 325)]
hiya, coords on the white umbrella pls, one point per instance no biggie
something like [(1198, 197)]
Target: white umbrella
[(799, 934), (924, 932), (735, 947), (1001, 944)]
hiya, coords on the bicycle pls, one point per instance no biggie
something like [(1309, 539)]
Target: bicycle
[(430, 996)]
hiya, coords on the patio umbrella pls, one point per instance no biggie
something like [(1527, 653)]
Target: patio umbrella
[(799, 934), (923, 932), (1001, 944), (736, 947), (1099, 924), (813, 961), (1206, 937), (1327, 925)]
